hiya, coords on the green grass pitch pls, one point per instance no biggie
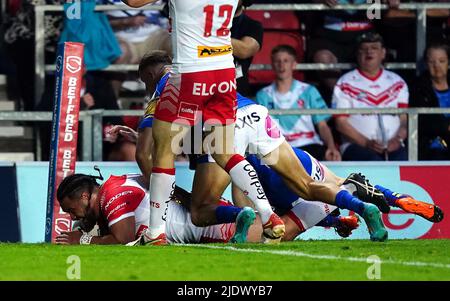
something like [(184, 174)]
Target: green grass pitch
[(299, 260)]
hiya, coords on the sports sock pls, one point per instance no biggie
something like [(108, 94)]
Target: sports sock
[(162, 183), (244, 176), (345, 200), (227, 214), (390, 196), (329, 221)]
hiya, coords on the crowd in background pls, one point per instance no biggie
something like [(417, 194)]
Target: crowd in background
[(334, 36)]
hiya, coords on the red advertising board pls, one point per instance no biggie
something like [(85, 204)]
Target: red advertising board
[(63, 153)]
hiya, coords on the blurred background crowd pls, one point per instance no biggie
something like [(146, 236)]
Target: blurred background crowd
[(281, 39)]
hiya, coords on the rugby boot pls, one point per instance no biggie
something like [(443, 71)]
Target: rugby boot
[(346, 225), (430, 212), (366, 192), (146, 239), (274, 229), (372, 217), (244, 220)]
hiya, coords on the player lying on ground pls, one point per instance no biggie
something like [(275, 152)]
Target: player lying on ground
[(210, 180), (298, 214), (121, 208)]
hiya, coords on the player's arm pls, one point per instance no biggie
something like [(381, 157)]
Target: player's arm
[(144, 147), (122, 232), (138, 3), (245, 47)]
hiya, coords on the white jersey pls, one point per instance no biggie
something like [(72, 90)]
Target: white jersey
[(201, 35), (255, 132), (386, 90), (181, 230)]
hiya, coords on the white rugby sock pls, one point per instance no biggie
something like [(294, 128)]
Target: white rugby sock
[(244, 176), (162, 183)]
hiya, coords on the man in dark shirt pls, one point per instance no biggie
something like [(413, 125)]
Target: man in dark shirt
[(246, 38)]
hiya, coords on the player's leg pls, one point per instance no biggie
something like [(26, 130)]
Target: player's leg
[(220, 116), (383, 197), (210, 181), (326, 191), (407, 203), (172, 122), (344, 225), (245, 177), (162, 179)]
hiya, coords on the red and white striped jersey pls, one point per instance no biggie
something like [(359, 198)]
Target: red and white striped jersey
[(386, 90), (124, 196), (201, 35)]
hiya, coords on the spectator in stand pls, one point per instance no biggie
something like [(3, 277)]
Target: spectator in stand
[(19, 36), (246, 39), (432, 90), (96, 93), (138, 32), (334, 41), (289, 93), (402, 23), (371, 137)]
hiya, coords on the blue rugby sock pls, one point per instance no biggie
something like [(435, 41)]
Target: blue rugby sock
[(227, 214), (329, 221), (390, 196), (345, 200)]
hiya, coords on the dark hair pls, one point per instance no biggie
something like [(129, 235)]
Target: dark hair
[(369, 37), (247, 3), (437, 45), (154, 58), (284, 48), (74, 185)]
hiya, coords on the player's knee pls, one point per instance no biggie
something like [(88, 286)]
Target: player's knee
[(196, 218), (322, 191)]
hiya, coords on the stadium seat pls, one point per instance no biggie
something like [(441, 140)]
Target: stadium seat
[(270, 40), (275, 20)]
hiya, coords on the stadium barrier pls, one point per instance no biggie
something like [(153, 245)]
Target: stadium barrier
[(426, 182), (9, 212), (92, 126), (371, 7)]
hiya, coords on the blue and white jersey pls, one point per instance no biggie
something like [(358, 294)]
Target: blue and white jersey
[(279, 195), (147, 119), (243, 101), (298, 130)]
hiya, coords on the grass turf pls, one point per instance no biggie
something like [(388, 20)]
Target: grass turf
[(401, 260)]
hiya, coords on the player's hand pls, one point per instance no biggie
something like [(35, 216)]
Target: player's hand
[(375, 146), (126, 132), (69, 238), (332, 154)]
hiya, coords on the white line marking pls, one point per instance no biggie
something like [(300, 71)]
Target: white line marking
[(328, 257)]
